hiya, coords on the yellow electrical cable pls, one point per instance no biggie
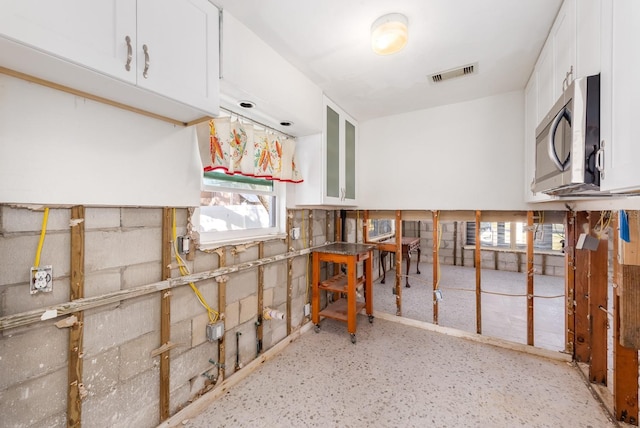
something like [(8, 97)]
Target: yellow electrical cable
[(437, 261), (45, 219), (184, 270)]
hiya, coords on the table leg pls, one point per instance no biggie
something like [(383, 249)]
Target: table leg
[(418, 262), (315, 292), (408, 264), (368, 285), (383, 257), (351, 295)]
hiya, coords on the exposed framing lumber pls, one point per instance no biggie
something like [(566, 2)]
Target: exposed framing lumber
[(83, 304), (478, 264), (75, 385), (222, 309), (582, 343), (308, 262), (398, 263), (436, 262), (569, 285), (625, 360), (260, 322), (598, 289), (165, 314), (72, 91), (530, 284), (289, 271)]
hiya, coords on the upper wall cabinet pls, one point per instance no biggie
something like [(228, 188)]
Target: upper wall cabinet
[(160, 56), (620, 95), (572, 50), (328, 161)]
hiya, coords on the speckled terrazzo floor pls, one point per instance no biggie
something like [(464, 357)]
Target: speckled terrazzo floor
[(402, 376)]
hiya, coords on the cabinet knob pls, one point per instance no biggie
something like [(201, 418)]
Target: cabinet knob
[(127, 66), (145, 72)]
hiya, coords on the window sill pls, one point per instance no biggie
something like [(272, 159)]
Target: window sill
[(239, 241)]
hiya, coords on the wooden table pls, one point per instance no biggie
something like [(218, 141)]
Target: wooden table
[(409, 245), (343, 285)]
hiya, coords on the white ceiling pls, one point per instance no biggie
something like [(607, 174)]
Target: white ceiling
[(328, 40)]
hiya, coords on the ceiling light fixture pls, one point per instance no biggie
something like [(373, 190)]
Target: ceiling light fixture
[(389, 34)]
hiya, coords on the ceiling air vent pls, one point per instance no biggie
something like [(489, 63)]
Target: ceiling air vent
[(456, 72)]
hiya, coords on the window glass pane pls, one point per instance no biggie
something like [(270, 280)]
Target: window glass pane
[(227, 211), (381, 227)]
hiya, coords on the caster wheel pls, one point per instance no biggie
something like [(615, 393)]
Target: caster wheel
[(353, 338), (370, 319), (317, 328)]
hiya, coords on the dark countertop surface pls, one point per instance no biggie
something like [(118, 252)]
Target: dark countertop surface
[(345, 248)]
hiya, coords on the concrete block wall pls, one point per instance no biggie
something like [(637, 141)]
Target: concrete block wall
[(123, 250)]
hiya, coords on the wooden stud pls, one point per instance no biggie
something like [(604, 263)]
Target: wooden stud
[(259, 325), (75, 387), (582, 343), (308, 264), (455, 243), (478, 264), (222, 308), (598, 289), (630, 292), (399, 263), (365, 226), (289, 271), (436, 265), (625, 360), (165, 314), (569, 285), (530, 291)]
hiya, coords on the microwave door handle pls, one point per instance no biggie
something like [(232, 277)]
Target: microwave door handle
[(551, 148)]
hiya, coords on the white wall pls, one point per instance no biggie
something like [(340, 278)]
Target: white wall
[(459, 156), (57, 148)]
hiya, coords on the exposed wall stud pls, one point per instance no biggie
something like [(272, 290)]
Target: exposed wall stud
[(569, 284), (222, 304), (165, 314), (289, 271), (598, 288), (625, 360), (398, 263), (436, 263), (260, 321), (582, 332), (530, 275), (478, 265), (75, 389)]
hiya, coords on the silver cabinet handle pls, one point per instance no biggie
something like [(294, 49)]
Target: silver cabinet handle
[(127, 66), (145, 72)]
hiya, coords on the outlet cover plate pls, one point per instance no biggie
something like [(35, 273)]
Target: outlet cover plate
[(41, 279)]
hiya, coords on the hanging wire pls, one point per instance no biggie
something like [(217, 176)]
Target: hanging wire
[(184, 270), (43, 232)]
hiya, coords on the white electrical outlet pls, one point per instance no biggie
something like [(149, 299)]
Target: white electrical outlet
[(307, 309), (41, 279), (295, 233)]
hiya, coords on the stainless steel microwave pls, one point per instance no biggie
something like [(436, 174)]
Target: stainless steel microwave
[(568, 154)]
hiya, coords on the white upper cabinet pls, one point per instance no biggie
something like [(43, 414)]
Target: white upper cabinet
[(572, 50), (620, 95), (160, 56), (328, 161)]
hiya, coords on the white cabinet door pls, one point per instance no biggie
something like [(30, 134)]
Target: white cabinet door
[(544, 83), (564, 48), (89, 33), (620, 95), (178, 51), (328, 161)]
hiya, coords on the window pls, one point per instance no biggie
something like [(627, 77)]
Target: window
[(380, 229), (514, 235), (238, 207)]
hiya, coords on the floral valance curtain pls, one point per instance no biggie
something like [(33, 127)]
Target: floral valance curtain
[(239, 148)]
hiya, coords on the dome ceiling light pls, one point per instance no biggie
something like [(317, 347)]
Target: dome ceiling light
[(389, 34)]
